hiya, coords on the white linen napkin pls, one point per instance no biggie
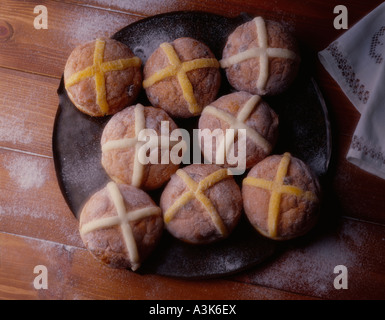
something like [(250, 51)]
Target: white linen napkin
[(356, 60)]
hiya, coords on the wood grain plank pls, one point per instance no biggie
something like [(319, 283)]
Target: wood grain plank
[(307, 265), (74, 274), (28, 105), (45, 51), (312, 21), (31, 203)]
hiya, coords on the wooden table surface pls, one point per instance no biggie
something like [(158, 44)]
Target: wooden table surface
[(37, 227)]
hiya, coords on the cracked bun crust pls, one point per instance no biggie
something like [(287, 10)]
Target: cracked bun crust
[(120, 157), (182, 94), (269, 75), (102, 77), (117, 243), (253, 114), (201, 204), (281, 197)]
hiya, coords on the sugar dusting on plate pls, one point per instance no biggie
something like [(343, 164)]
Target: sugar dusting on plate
[(313, 265)]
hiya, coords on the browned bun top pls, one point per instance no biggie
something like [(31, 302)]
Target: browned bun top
[(122, 83), (168, 93), (109, 243), (119, 163), (297, 205), (191, 219), (261, 119), (245, 74)]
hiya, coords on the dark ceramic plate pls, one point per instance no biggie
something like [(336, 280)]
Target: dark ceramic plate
[(304, 131)]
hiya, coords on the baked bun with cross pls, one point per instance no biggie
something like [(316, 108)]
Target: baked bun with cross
[(182, 77), (121, 147), (201, 204), (102, 77), (121, 225), (239, 110), (261, 57), (281, 197)]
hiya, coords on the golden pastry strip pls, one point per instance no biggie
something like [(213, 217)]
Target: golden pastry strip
[(196, 191), (277, 188), (79, 76), (238, 123), (263, 52), (98, 70), (122, 220), (180, 69)]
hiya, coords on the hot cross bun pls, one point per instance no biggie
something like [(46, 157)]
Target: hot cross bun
[(121, 225), (281, 197), (201, 203), (121, 147), (182, 77), (240, 110), (102, 77), (261, 57)]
